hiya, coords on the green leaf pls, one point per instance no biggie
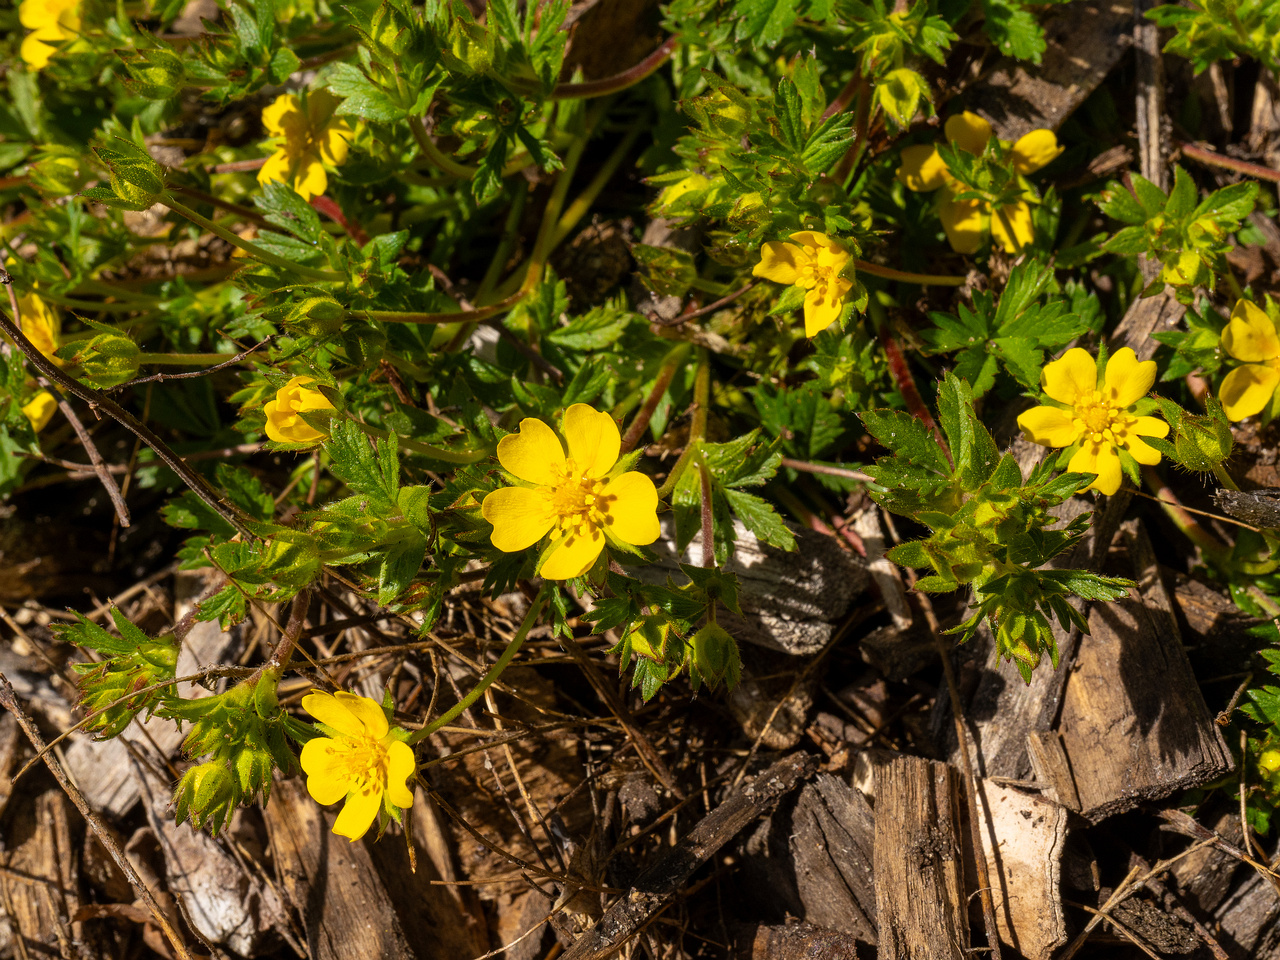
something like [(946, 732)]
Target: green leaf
[(764, 21), (1014, 29), (761, 519), (362, 97), (354, 461), (908, 438), (974, 451)]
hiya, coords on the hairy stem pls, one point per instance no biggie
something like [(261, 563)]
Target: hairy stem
[(513, 647)]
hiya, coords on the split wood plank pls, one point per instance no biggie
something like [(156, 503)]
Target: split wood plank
[(792, 601), (346, 910), (1085, 41), (1134, 724), (660, 882), (813, 859), (1023, 838), (920, 896)]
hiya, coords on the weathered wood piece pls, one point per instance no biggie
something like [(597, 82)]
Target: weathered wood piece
[(794, 941), (813, 859), (792, 601), (1248, 920), (920, 896), (661, 881), (103, 768), (345, 908), (1134, 724), (1085, 41), (1023, 838), (222, 900), (40, 887)]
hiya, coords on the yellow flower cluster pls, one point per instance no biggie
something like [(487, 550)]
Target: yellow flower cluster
[(50, 21), (968, 221), (1096, 416), (817, 263), (579, 499), (1250, 335), (284, 423), (307, 136), (363, 762)]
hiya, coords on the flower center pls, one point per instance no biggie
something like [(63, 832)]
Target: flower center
[(363, 760), (1100, 421), (821, 271), (578, 502)]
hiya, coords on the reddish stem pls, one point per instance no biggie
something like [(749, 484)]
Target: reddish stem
[(619, 81), (1214, 159), (708, 527), (906, 385), (641, 422), (330, 209)]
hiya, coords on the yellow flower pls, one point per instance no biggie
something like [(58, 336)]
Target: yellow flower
[(814, 262), (1250, 336), (1099, 418), (49, 22), (41, 325), (284, 425), (364, 763), (39, 410), (573, 498), (966, 221), (306, 140)]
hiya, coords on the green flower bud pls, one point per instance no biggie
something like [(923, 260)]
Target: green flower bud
[(107, 360), (156, 74), (206, 794), (318, 316), (137, 181), (715, 657)]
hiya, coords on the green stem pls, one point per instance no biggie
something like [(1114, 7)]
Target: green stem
[(436, 453), (513, 647), (1209, 545), (456, 316), (924, 279), (698, 425), (510, 233), (451, 166), (250, 248), (1008, 229), (1224, 478), (576, 210)]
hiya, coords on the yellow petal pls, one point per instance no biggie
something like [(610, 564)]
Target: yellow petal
[(823, 305), (39, 410), (593, 440), (922, 168), (813, 242), (520, 517), (780, 262), (574, 556), (367, 710), (1099, 458), (335, 140), (1248, 389), (333, 713), (631, 510), (968, 131), (1072, 377), (1049, 427), (35, 52), (1250, 335), (1128, 381), (1034, 150), (400, 767), (533, 453), (283, 117), (326, 773), (1148, 427), (311, 180), (1141, 452), (965, 222), (1018, 216), (277, 169), (357, 815)]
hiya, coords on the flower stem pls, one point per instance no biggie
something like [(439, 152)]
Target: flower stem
[(619, 81), (185, 359), (582, 203), (1224, 478), (1008, 229), (1214, 159), (698, 426), (513, 647), (250, 248), (666, 373), (457, 316), (1209, 545), (436, 453), (924, 279)]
